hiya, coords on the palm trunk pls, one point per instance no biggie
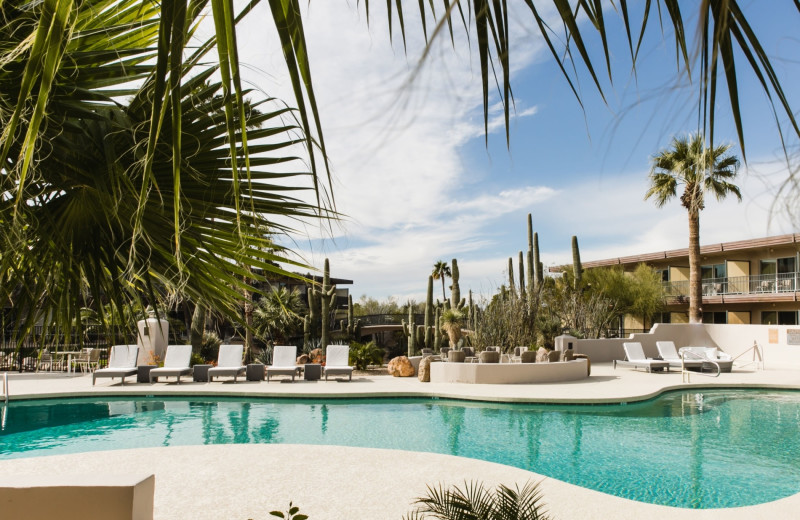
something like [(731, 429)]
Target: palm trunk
[(695, 285)]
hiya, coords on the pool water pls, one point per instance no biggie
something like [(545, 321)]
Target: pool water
[(709, 449)]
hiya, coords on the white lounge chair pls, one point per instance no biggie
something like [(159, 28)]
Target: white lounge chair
[(229, 362), (709, 355), (122, 363), (667, 350), (634, 354), (284, 362), (337, 360), (176, 363)]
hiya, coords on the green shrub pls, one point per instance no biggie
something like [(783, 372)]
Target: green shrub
[(209, 348), (364, 354)]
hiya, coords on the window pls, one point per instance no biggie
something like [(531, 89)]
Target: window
[(787, 317), (664, 274), (769, 318), (715, 317), (662, 317), (713, 271)]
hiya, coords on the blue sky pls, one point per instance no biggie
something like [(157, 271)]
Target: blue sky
[(418, 184)]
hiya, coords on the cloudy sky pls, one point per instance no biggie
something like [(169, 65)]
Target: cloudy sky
[(418, 183)]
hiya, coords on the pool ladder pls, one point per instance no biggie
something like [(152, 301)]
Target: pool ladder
[(5, 387), (686, 375)]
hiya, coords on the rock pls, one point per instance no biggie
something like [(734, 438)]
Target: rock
[(303, 359), (424, 372), (316, 355), (542, 355), (401, 367)]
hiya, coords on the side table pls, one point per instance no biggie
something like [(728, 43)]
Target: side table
[(255, 372), (312, 372), (143, 373), (200, 373)]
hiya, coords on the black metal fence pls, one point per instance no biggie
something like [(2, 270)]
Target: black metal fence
[(50, 351)]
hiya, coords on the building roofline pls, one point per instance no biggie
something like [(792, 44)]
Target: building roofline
[(739, 245)]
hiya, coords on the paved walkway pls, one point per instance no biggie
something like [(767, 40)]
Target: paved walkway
[(248, 481)]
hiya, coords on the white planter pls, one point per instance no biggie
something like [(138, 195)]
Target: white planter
[(152, 340)]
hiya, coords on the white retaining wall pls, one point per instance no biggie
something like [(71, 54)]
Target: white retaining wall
[(732, 339)]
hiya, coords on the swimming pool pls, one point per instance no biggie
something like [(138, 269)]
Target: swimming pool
[(709, 449)]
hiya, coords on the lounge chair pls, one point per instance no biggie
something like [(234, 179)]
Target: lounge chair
[(634, 357), (337, 361), (122, 363), (667, 350), (176, 363), (284, 362), (711, 355), (229, 362)]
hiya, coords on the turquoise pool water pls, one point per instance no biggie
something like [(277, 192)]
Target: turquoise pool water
[(709, 449)]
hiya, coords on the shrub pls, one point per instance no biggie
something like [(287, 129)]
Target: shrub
[(364, 354), (209, 348)]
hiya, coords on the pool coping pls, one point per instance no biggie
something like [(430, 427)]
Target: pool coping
[(628, 387)]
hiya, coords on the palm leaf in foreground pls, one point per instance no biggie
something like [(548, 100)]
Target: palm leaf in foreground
[(475, 502)]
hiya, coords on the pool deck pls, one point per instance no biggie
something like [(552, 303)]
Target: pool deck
[(249, 481)]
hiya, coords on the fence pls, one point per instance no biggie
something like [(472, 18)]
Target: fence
[(25, 355)]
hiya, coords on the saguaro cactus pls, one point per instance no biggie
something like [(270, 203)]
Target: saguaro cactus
[(320, 299), (537, 262), (437, 332), (521, 276), (529, 258), (414, 334), (353, 327), (576, 262), (455, 291), (429, 315)]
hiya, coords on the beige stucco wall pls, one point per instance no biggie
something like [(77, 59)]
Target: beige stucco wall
[(739, 317), (78, 497), (679, 317), (509, 373), (738, 268)]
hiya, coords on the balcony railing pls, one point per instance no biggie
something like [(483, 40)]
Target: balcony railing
[(757, 284)]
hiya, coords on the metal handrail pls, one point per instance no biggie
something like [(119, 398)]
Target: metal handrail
[(5, 387), (758, 352), (686, 374)]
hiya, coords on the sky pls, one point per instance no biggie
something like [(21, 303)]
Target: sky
[(418, 181)]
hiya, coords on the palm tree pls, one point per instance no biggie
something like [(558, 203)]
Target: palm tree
[(441, 271), (700, 170), (279, 313), (475, 501), (90, 220), (116, 184)]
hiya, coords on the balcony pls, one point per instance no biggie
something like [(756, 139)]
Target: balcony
[(764, 284)]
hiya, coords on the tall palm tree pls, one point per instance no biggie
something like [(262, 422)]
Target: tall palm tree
[(701, 170), (441, 271)]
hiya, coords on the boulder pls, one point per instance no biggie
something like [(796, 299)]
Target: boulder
[(303, 359), (401, 367), (316, 355), (424, 371)]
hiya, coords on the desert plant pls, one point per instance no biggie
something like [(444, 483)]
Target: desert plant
[(451, 322), (209, 347), (475, 502), (364, 354)]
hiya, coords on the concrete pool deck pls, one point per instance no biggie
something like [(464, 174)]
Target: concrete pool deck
[(249, 481)]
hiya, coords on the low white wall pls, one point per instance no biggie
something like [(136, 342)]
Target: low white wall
[(732, 339), (509, 373)]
